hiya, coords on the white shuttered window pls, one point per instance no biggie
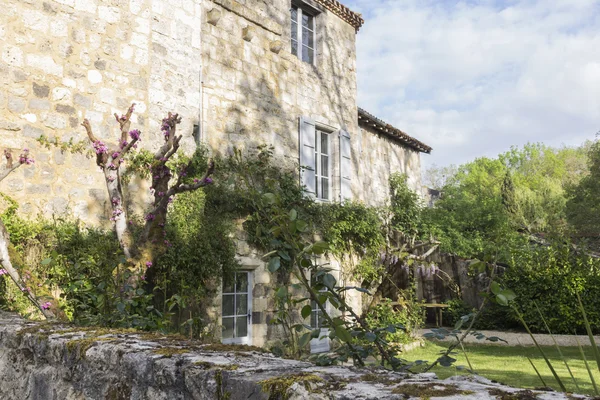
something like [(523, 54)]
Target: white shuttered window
[(317, 154)]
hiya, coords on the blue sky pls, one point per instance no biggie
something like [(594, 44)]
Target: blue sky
[(473, 77)]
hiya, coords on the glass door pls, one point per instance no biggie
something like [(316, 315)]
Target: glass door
[(236, 311)]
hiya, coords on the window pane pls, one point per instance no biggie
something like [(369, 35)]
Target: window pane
[(241, 283), (313, 319), (228, 285), (294, 13), (308, 38), (325, 166), (294, 47), (227, 328), (241, 304), (324, 143), (228, 306), (325, 188), (294, 31), (307, 54), (317, 186), (308, 21), (241, 328)]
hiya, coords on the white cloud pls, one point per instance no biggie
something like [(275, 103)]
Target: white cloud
[(472, 78)]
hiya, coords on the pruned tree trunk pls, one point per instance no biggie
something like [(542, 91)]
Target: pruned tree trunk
[(5, 239), (166, 184)]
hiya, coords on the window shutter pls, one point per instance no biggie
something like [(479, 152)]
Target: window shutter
[(307, 155), (345, 166)]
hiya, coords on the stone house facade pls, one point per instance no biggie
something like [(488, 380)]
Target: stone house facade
[(240, 72)]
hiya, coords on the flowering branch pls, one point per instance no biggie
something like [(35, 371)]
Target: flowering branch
[(24, 158)]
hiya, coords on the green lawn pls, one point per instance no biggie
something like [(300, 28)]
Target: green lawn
[(509, 365)]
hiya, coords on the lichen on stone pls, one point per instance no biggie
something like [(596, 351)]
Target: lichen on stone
[(278, 387), (427, 391)]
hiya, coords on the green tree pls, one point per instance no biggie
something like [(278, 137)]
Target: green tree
[(583, 207)]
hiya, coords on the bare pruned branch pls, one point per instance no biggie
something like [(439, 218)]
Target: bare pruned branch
[(125, 122), (88, 128)]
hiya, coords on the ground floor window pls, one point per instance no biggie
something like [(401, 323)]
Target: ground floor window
[(236, 311)]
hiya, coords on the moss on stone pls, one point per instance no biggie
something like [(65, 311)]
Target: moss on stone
[(81, 346), (379, 378), (521, 395), (277, 387), (425, 392)]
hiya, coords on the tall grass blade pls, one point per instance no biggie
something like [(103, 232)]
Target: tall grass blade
[(588, 328), (562, 357), (558, 380), (587, 366), (537, 372)]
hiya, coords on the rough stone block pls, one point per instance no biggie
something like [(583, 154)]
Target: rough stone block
[(44, 63), (65, 109), (41, 91), (39, 104), (38, 188), (12, 55), (82, 101), (32, 132), (16, 104), (109, 14)]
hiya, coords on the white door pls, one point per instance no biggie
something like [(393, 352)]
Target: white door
[(236, 311)]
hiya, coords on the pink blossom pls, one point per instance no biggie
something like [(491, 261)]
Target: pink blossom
[(46, 305), (100, 147), (148, 264), (2, 272)]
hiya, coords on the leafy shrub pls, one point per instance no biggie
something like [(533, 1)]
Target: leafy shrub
[(457, 308), (410, 316)]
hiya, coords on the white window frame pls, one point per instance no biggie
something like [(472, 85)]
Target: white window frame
[(246, 340), (318, 167), (299, 32)]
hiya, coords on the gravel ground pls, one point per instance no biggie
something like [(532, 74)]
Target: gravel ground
[(523, 339)]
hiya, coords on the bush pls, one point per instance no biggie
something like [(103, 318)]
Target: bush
[(410, 316)]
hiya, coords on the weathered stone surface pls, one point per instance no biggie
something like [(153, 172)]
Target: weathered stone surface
[(50, 362)]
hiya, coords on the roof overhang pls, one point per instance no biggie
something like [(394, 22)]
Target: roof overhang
[(353, 18), (367, 119)]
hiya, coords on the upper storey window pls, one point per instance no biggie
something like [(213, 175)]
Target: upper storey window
[(303, 34)]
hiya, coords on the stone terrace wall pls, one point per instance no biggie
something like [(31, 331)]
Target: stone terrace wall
[(65, 60), (49, 362)]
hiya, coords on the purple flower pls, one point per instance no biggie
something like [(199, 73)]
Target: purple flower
[(148, 264), (24, 157), (135, 134), (2, 272), (115, 154), (100, 147), (161, 194), (150, 217), (208, 181), (123, 144), (46, 305)]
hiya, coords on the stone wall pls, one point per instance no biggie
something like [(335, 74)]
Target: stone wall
[(66, 60), (378, 157), (255, 89), (51, 362)]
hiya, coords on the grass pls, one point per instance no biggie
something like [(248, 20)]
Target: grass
[(509, 365)]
